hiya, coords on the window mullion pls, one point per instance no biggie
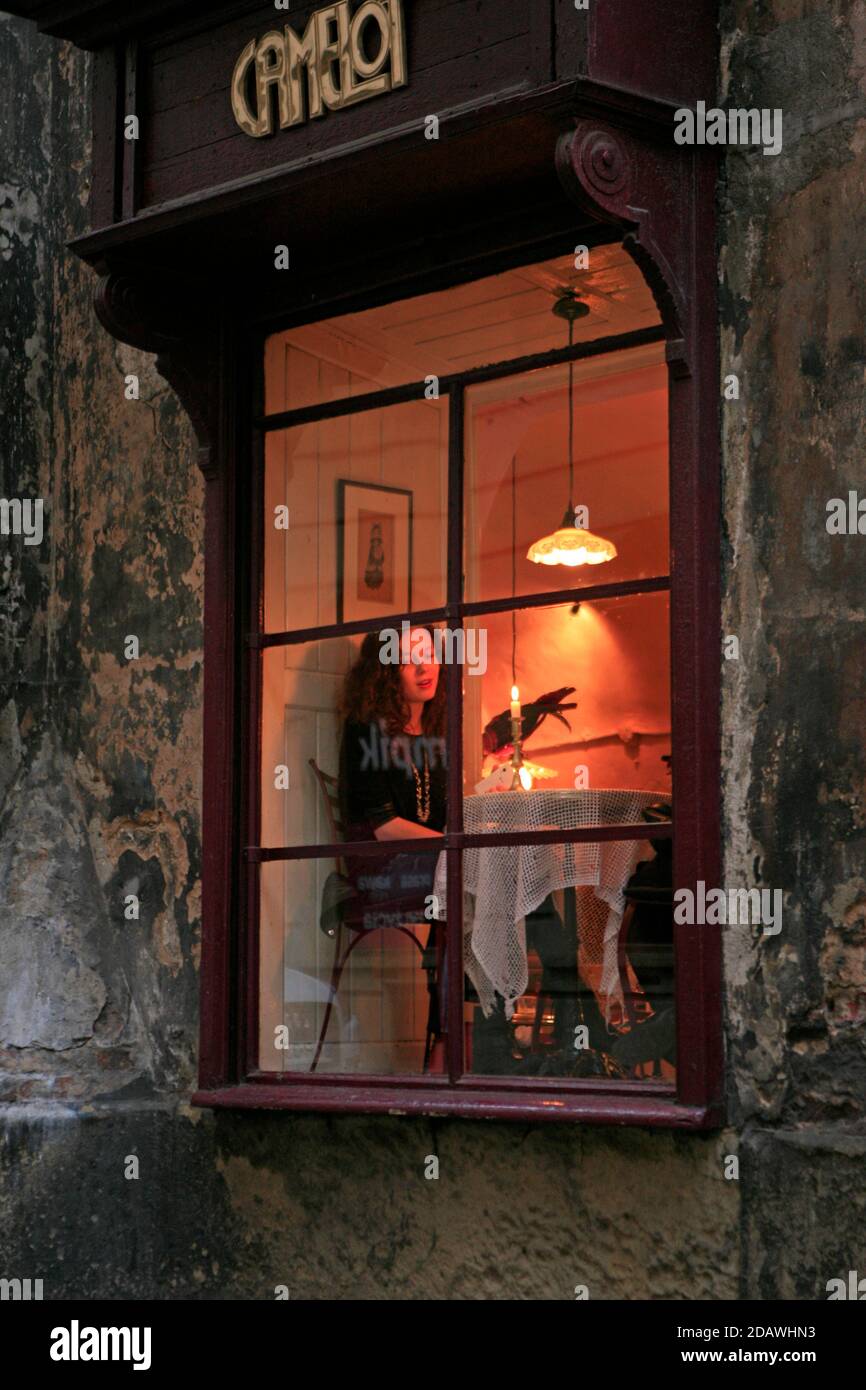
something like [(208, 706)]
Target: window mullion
[(454, 741)]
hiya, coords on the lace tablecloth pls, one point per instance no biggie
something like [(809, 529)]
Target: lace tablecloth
[(504, 883)]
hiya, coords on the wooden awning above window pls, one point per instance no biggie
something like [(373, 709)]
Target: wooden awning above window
[(171, 64)]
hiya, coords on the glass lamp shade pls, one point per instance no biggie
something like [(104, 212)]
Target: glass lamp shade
[(571, 546)]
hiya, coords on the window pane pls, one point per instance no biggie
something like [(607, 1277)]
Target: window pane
[(517, 473), (528, 906), (604, 670), (569, 948), (489, 320), (355, 516), (354, 935), (338, 703)]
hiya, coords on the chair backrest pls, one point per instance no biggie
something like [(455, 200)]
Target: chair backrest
[(330, 789)]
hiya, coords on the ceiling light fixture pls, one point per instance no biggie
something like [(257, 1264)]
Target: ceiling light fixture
[(570, 544)]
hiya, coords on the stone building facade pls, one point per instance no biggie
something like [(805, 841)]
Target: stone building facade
[(100, 796)]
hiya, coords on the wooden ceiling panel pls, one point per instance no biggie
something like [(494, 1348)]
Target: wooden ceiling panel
[(505, 315)]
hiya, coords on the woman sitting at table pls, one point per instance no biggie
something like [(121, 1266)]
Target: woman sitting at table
[(392, 786), (392, 779)]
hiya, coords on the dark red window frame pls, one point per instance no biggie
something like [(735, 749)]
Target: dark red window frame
[(230, 1075)]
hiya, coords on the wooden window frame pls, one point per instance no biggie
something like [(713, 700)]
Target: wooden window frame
[(229, 1075)]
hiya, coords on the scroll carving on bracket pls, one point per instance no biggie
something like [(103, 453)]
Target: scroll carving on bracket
[(618, 179), (160, 319)]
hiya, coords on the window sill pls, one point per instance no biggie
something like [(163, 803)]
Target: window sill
[(658, 1109)]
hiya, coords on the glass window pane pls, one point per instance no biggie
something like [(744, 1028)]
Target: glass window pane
[(527, 907), (488, 320), (349, 966), (569, 948), (517, 473), (339, 758), (355, 516), (594, 688)]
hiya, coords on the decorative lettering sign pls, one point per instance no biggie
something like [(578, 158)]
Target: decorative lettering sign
[(341, 59)]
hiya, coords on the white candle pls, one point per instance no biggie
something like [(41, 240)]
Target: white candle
[(515, 702)]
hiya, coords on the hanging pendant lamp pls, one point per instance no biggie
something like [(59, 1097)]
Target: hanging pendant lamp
[(571, 545)]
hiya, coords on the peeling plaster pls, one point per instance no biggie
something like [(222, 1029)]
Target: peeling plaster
[(19, 215)]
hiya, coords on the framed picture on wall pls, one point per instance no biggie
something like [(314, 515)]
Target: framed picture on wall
[(374, 550)]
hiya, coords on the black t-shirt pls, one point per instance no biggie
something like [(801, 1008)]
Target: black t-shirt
[(377, 781)]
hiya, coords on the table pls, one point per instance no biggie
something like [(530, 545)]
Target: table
[(505, 882)]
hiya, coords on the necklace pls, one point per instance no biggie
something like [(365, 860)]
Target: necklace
[(422, 800)]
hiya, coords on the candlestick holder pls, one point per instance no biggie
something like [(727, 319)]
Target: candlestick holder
[(517, 755)]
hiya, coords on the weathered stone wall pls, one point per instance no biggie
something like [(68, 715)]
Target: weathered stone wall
[(793, 312), (100, 765), (101, 756)]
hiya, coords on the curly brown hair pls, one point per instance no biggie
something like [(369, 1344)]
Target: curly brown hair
[(372, 692)]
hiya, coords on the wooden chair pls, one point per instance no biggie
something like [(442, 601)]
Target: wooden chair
[(348, 933)]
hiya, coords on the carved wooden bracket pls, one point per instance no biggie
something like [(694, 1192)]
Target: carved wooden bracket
[(183, 334), (616, 177)]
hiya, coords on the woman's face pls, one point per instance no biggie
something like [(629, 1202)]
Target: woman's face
[(419, 669)]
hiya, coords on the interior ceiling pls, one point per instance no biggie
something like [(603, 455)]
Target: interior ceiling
[(501, 316)]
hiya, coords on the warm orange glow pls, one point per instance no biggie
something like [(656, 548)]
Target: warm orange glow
[(571, 546), (539, 773)]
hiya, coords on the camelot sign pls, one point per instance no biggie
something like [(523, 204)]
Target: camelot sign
[(342, 58)]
